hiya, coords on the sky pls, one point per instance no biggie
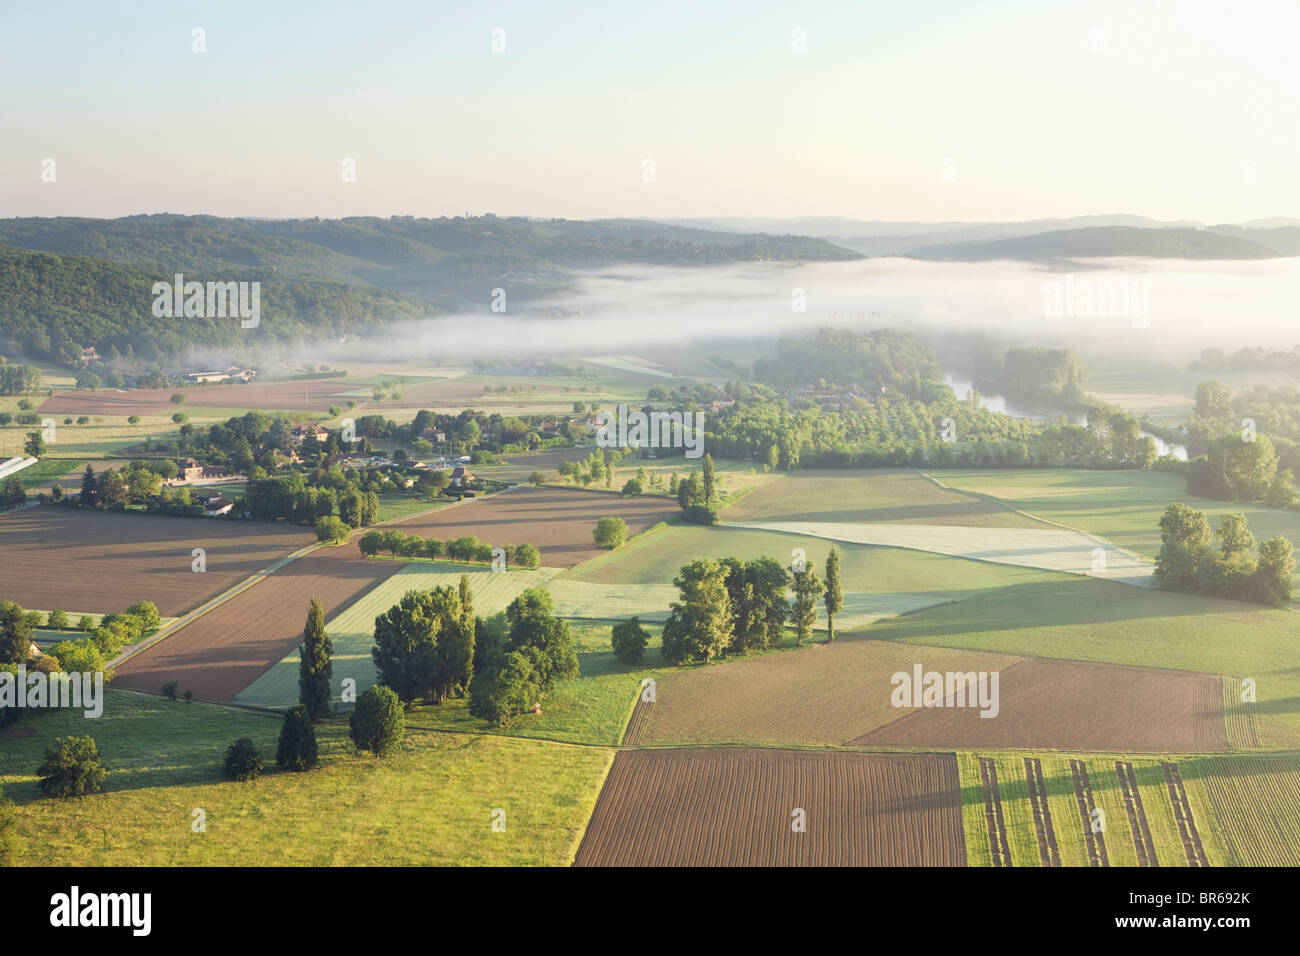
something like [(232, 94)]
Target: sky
[(927, 111)]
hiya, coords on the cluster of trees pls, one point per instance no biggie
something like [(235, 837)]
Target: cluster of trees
[(424, 644), (16, 379), (467, 549), (12, 492), (839, 357), (1189, 560), (1052, 377), (935, 430), (737, 606), (1246, 359), (698, 497), (1247, 445), (597, 468), (517, 666), (86, 655)]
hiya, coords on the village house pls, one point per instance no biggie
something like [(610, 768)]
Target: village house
[(215, 507), (302, 432), (191, 470), (461, 477), (233, 372), (89, 355)]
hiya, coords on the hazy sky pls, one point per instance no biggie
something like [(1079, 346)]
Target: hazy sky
[(917, 110)]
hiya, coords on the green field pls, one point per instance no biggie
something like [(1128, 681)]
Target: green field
[(658, 555), (871, 496), (1073, 618), (430, 804), (1018, 816), (1122, 506)]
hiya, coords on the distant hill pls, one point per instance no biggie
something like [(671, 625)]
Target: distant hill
[(849, 232), (70, 283), (457, 261), (1101, 242), (1284, 239), (54, 306)]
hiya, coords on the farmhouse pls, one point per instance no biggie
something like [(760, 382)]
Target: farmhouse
[(462, 476), (302, 432), (233, 372), (217, 506), (89, 355), (191, 470)]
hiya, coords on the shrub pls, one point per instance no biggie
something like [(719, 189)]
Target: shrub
[(629, 639), (169, 689), (72, 768), (631, 488), (378, 723), (610, 532), (537, 478), (243, 760), (147, 612), (297, 749), (332, 530)]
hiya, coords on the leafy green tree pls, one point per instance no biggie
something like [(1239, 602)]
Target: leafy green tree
[(15, 633), (405, 635), (532, 623), (631, 488), (297, 747), (9, 831), (507, 689), (708, 486), (1234, 535), (72, 768), (243, 760), (610, 533), (59, 620), (316, 664), (147, 612), (1272, 579), (371, 543), (332, 530), (34, 447), (1185, 535), (527, 556), (699, 626), (803, 611), (833, 598), (378, 723), (629, 639)]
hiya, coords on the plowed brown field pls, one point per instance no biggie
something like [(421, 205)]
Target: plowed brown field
[(559, 521), (738, 808), (223, 651), (61, 558), (1069, 705), (312, 395)]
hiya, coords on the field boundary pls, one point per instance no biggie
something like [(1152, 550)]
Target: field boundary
[(1083, 795), (1183, 814), (997, 826), (1137, 817), (1048, 852)]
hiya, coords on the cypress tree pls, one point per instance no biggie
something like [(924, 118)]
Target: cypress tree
[(834, 596), (316, 666)]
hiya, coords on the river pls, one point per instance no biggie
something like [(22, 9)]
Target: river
[(961, 387)]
